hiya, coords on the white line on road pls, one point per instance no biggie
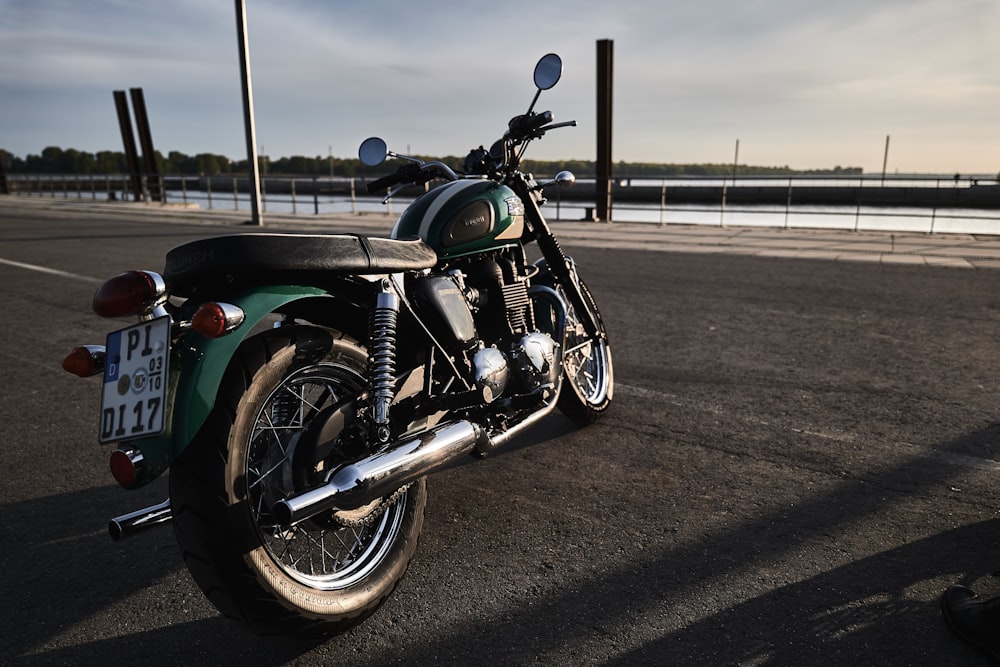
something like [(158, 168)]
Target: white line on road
[(54, 272)]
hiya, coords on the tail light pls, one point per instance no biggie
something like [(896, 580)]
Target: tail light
[(126, 464), (130, 293), (214, 319)]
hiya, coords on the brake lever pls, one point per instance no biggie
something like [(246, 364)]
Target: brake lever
[(395, 191)]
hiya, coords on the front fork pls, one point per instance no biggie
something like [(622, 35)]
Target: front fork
[(559, 264)]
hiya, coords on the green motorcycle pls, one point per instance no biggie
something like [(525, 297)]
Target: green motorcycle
[(300, 388)]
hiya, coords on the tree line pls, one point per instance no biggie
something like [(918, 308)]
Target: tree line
[(55, 160)]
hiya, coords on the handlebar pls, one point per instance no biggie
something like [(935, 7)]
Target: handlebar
[(382, 183), (520, 130), (415, 173)]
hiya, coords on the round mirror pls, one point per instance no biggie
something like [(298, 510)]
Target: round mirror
[(547, 71), (373, 151), (565, 179)]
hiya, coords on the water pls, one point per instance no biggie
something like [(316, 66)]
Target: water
[(922, 220), (898, 219)]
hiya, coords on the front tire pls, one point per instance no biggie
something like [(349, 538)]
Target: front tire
[(316, 578), (588, 371)]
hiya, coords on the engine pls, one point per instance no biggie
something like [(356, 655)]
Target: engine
[(487, 296)]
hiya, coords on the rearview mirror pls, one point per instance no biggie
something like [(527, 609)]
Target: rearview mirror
[(373, 152), (548, 71)]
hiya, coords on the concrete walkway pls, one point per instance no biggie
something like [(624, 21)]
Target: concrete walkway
[(946, 250), (952, 250)]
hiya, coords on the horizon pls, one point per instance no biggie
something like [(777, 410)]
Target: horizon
[(804, 171), (740, 165)]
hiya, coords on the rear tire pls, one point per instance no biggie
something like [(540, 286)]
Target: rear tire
[(318, 577)]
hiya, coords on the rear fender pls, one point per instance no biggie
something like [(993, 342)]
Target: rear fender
[(197, 365)]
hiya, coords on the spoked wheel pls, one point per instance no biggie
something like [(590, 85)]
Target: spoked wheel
[(588, 372), (320, 576)]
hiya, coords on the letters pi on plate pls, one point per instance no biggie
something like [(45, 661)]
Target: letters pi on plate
[(135, 381)]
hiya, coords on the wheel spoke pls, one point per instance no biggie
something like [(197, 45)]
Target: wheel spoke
[(322, 554)]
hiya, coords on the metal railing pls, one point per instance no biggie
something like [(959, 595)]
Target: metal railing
[(659, 203)]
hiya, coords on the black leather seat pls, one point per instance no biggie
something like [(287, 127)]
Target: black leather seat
[(288, 258)]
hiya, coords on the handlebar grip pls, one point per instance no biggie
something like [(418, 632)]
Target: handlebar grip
[(522, 126), (382, 183)]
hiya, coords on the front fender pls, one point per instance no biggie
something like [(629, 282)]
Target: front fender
[(197, 365)]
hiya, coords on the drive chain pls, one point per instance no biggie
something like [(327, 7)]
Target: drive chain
[(379, 510)]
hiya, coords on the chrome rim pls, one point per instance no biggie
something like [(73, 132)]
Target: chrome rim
[(585, 360), (325, 557)]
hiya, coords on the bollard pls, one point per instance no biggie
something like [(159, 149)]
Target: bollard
[(663, 200), (788, 202)]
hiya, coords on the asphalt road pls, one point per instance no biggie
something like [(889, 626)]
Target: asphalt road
[(801, 456)]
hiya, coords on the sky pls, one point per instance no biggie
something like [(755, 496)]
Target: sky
[(804, 83)]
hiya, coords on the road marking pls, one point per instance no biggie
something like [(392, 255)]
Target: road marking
[(54, 272)]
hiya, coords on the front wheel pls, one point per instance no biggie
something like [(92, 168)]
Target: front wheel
[(588, 372), (318, 577)]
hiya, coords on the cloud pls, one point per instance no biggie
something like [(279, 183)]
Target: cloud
[(798, 82)]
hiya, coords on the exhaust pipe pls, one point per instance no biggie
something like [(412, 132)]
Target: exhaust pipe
[(128, 525), (382, 473), (362, 482)]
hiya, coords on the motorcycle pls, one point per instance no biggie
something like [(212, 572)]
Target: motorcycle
[(300, 388)]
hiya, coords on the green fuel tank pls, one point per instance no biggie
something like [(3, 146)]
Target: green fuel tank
[(464, 217)]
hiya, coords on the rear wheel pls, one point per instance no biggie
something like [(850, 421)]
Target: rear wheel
[(320, 576)]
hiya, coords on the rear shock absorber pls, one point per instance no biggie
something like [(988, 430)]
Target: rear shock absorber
[(382, 358)]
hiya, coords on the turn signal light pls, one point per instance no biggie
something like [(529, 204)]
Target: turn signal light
[(130, 293), (214, 319), (85, 361)]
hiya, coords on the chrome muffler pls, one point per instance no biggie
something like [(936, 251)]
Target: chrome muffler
[(138, 521), (382, 473)]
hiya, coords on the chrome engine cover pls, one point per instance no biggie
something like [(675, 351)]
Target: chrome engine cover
[(491, 372), (537, 361)]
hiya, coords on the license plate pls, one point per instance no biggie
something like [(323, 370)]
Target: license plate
[(135, 381)]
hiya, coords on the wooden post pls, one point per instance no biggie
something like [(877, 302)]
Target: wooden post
[(605, 71), (248, 122), (152, 171)]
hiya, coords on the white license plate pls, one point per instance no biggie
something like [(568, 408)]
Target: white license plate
[(135, 381)]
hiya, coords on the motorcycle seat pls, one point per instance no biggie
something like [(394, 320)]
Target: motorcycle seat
[(289, 258)]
